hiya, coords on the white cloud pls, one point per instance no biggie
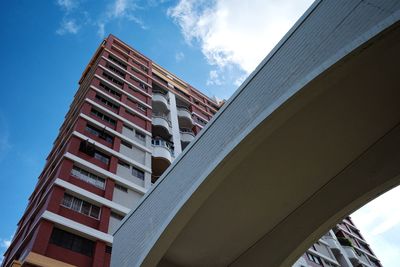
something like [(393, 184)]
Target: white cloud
[(101, 30), (235, 32), (68, 26), (214, 78), (5, 243), (240, 80), (179, 56), (119, 7), (67, 4), (74, 19), (379, 222)]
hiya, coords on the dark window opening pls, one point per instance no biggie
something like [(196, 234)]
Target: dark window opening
[(100, 133), (100, 156), (121, 188), (107, 102), (72, 242), (113, 59), (116, 70), (112, 79), (103, 117), (87, 148), (138, 173), (108, 89)]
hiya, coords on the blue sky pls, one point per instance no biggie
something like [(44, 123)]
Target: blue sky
[(211, 44)]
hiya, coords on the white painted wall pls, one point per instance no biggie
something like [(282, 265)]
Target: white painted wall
[(126, 173), (113, 224), (134, 153), (127, 199)]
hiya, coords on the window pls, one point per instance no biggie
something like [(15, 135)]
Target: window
[(123, 164), (107, 102), (100, 133), (103, 117), (143, 86), (117, 216), (112, 79), (90, 150), (181, 92), (128, 128), (201, 121), (138, 173), (142, 107), (108, 89), (100, 156), (120, 53), (87, 148), (160, 79), (130, 113), (121, 188), (158, 89), (145, 69), (80, 206), (126, 144), (72, 242), (140, 136), (113, 59), (115, 70), (133, 89), (314, 258), (88, 177)]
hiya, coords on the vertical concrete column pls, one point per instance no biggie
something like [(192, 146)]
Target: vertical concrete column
[(55, 199), (104, 219), (43, 234), (99, 254), (147, 160), (175, 124)]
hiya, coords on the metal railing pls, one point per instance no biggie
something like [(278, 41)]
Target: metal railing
[(163, 143), (162, 116)]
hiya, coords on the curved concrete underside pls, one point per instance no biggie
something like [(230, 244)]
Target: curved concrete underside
[(312, 135)]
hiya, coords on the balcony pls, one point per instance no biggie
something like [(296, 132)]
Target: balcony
[(160, 102), (187, 135), (364, 260), (333, 244), (351, 254), (162, 157), (162, 125), (185, 117)]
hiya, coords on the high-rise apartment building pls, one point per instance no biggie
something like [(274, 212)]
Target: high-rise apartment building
[(342, 246), (129, 120)]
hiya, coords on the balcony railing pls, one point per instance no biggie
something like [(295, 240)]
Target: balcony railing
[(185, 117), (187, 135), (351, 254), (160, 102), (183, 108), (163, 143), (333, 244), (185, 130), (162, 116)]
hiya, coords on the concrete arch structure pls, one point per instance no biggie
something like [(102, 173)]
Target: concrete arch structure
[(319, 115)]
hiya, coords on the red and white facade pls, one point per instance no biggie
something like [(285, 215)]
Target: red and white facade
[(128, 121)]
